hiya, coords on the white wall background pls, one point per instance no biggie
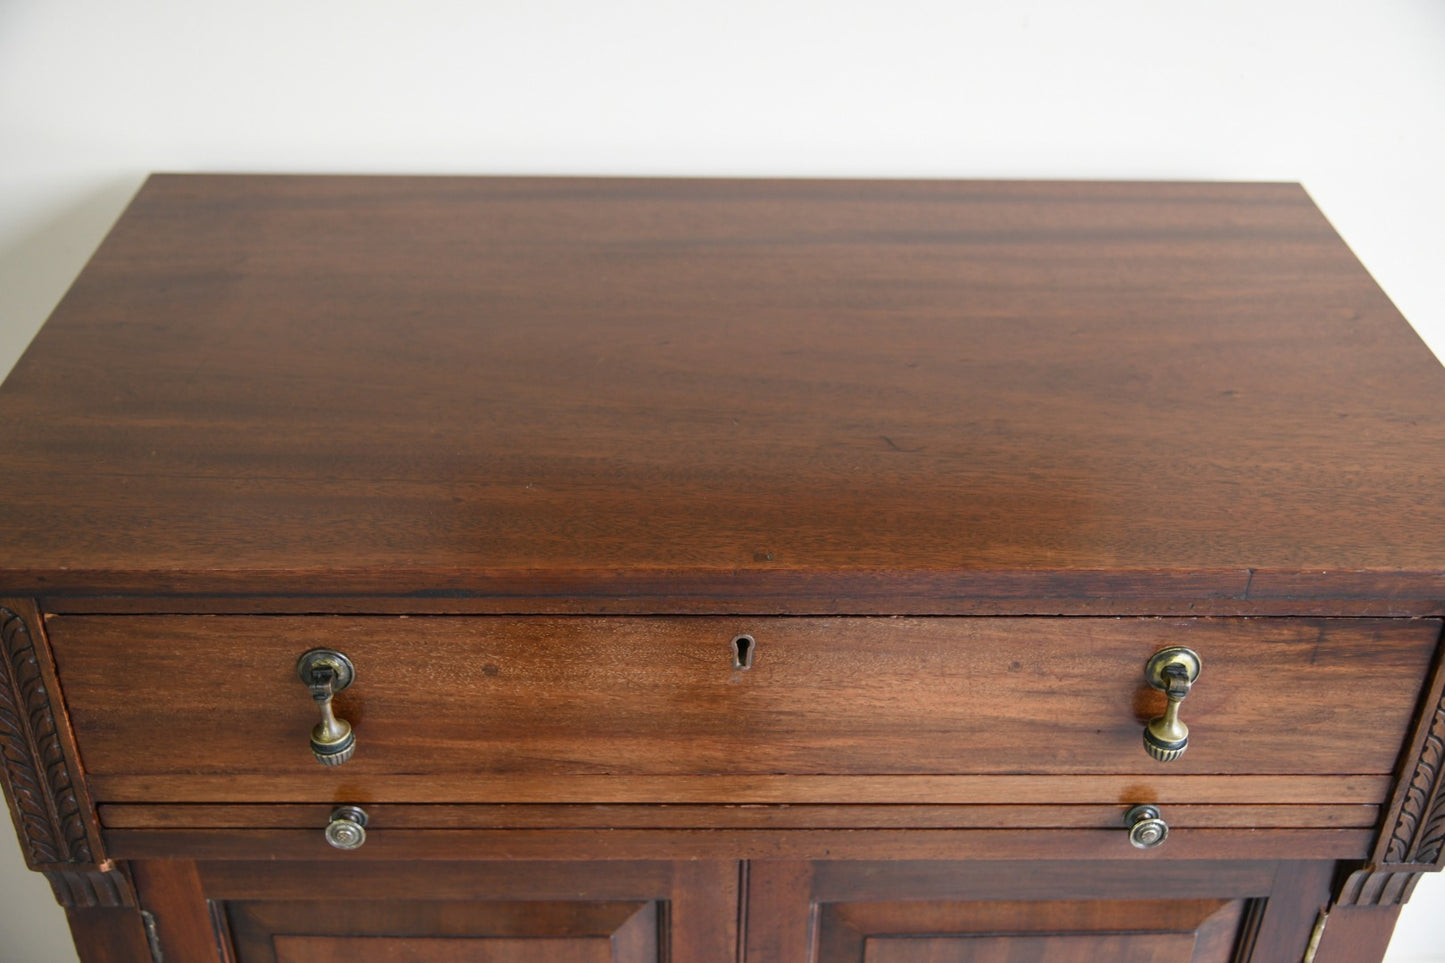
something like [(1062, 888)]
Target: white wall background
[(1346, 96)]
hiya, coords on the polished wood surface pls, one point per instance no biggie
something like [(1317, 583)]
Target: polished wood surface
[(738, 395), (789, 790), (546, 934), (107, 934), (1005, 842), (576, 696), (959, 456), (398, 930), (1134, 931), (330, 906), (1281, 928), (1354, 933), (1180, 911), (467, 881), (1059, 948), (391, 949), (627, 912), (882, 881), (735, 816), (186, 927)]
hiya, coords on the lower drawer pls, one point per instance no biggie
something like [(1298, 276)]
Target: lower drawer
[(444, 832), (121, 816), (832, 710), (362, 910)]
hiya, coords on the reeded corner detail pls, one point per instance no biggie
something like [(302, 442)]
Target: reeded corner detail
[(1376, 887), (87, 888), (44, 798), (1419, 833)]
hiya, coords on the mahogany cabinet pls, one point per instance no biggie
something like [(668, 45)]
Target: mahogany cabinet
[(509, 569)]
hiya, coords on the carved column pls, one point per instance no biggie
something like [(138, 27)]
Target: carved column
[(1356, 926), (1413, 836), (53, 814)]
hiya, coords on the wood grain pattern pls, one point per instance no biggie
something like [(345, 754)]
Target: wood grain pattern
[(464, 880), (1279, 927), (744, 393), (782, 918), (725, 844), (108, 934), (363, 878), (404, 931), (1062, 948), (676, 911), (657, 696), (1057, 878), (1357, 934), (1138, 931), (395, 949), (886, 790), (981, 605), (703, 910), (832, 911), (753, 816), (616, 422), (171, 889)]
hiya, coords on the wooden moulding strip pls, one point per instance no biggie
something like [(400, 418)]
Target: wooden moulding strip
[(933, 879), (684, 591), (1391, 606), (657, 844), (441, 817), (878, 790)]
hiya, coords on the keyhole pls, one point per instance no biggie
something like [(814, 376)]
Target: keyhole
[(743, 646)]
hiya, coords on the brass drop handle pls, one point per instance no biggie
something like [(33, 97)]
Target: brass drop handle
[(1147, 828), (326, 672), (1174, 670), (347, 829)]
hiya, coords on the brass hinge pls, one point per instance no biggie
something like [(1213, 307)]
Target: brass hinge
[(1316, 935), (152, 936)]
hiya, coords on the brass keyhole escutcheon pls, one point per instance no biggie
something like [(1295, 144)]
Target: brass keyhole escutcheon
[(1174, 671), (326, 672)]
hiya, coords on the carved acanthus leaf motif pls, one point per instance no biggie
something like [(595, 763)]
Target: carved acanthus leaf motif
[(47, 806), (1431, 839), (1420, 829)]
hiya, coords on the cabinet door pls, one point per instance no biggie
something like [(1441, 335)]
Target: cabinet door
[(942, 911), (442, 911)]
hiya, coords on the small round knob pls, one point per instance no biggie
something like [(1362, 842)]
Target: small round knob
[(1147, 828), (347, 829), (1174, 670)]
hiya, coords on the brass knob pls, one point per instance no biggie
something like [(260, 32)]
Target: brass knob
[(1173, 670), (347, 829), (1146, 828), (326, 672)]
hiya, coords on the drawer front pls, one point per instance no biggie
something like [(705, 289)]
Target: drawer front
[(183, 707), (551, 831)]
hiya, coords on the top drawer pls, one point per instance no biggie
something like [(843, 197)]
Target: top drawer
[(209, 707)]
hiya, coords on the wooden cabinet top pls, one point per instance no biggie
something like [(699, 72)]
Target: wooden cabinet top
[(707, 395)]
